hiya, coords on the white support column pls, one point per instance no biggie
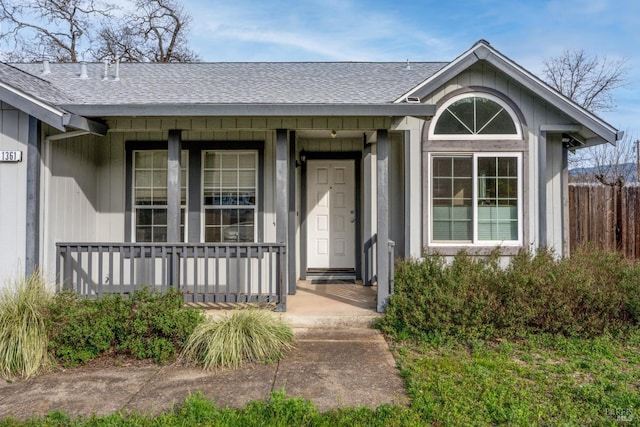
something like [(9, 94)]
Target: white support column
[(382, 250)]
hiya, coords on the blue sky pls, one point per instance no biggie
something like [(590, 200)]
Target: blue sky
[(423, 30)]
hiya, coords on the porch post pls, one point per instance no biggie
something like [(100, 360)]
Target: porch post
[(382, 254), (291, 245), (542, 189), (32, 256), (369, 217), (282, 200), (173, 185)]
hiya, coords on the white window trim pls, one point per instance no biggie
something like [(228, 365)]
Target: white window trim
[(134, 207), (476, 242), (203, 208), (469, 137)]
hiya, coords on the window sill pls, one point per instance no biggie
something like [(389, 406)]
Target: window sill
[(473, 250)]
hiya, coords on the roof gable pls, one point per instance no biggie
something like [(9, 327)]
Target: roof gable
[(482, 51)]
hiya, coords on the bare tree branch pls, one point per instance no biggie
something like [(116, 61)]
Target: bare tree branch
[(157, 32), (56, 29), (587, 80)]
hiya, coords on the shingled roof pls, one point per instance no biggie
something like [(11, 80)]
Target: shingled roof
[(236, 83), (32, 85)]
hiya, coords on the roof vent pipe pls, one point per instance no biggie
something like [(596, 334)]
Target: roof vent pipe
[(106, 70), (408, 65), (83, 71), (45, 67), (117, 76)]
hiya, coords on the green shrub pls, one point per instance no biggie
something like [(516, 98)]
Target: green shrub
[(589, 294), (146, 325), (252, 335), (23, 335)]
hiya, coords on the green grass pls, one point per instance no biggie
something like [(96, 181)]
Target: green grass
[(252, 335), (23, 334), (548, 380), (543, 380)]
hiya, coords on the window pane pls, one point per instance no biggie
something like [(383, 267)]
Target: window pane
[(486, 109), (160, 234), (464, 111), (500, 125), (229, 161), (143, 234), (449, 125), (143, 179), (452, 199), (144, 217), (462, 167), (475, 115), (229, 182), (160, 178), (159, 159), (150, 194), (497, 198), (507, 166), (442, 188), (442, 166), (247, 160)]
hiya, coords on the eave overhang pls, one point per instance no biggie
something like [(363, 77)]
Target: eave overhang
[(482, 51), (249, 110), (53, 116)]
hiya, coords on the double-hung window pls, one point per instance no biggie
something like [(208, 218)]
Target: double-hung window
[(475, 191), (150, 195), (229, 195)]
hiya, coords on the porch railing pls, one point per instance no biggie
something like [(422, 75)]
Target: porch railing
[(228, 272)]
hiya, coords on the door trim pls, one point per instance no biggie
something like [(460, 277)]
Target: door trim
[(356, 156)]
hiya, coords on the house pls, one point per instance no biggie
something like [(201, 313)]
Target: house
[(232, 180)]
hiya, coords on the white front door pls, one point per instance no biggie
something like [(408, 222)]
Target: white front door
[(331, 214)]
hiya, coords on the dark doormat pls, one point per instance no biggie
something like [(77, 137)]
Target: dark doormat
[(332, 282)]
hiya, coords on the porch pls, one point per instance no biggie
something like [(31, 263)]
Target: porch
[(217, 274)]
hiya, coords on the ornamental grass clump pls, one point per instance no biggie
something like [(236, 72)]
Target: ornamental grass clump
[(23, 333), (253, 335)]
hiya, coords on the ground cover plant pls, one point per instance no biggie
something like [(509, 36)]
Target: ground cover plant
[(591, 294), (544, 341), (23, 333), (251, 335), (144, 325)]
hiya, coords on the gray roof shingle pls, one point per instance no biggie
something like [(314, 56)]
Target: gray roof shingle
[(32, 85), (234, 83)]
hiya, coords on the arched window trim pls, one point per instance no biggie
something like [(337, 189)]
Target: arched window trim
[(467, 137)]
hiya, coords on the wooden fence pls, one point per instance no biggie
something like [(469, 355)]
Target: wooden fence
[(607, 216)]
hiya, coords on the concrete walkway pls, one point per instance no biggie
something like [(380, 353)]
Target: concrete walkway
[(337, 362)]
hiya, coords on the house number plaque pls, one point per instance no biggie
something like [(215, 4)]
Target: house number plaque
[(10, 156)]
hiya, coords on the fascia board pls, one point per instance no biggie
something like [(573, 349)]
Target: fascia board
[(245, 110), (482, 51), (562, 103), (34, 107)]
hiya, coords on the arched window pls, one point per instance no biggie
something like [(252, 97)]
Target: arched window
[(475, 116), (475, 189)]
